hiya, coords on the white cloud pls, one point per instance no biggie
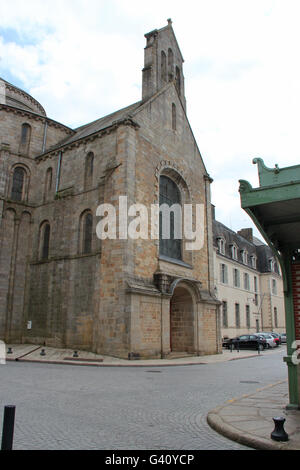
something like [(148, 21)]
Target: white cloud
[(83, 58)]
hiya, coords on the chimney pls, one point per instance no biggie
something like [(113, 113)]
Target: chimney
[(246, 233)]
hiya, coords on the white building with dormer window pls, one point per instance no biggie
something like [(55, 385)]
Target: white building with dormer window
[(248, 283)]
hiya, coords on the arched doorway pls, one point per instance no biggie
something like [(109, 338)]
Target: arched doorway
[(182, 321)]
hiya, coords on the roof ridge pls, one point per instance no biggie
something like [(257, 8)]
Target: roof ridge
[(107, 116)]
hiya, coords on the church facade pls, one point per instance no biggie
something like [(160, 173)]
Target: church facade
[(63, 286)]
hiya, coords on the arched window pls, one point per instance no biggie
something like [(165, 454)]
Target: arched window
[(44, 240), (163, 66), (89, 169), (48, 183), (170, 221), (25, 138), (87, 232), (170, 64), (173, 117), (18, 182), (178, 80)]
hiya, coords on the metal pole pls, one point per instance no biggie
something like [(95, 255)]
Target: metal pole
[(290, 329), (8, 427)]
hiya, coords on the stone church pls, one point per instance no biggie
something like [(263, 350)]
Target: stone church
[(62, 286)]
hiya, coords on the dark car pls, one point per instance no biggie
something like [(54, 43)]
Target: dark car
[(247, 342)]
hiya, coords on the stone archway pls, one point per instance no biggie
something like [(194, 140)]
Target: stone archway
[(182, 321)]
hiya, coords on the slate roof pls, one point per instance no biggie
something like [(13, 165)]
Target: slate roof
[(96, 126), (19, 102), (256, 247)]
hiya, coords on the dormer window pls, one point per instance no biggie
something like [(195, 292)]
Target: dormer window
[(244, 256), (234, 252), (221, 245), (271, 265), (253, 261)]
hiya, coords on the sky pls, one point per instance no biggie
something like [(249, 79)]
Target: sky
[(83, 59)]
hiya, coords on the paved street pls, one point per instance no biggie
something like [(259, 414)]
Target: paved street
[(81, 407)]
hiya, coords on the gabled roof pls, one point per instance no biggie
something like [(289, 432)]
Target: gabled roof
[(95, 126), (103, 122), (164, 28), (109, 120), (144, 103)]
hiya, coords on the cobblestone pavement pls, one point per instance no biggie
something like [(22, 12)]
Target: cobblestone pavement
[(126, 408)]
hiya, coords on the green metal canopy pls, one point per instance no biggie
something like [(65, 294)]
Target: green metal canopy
[(274, 207)]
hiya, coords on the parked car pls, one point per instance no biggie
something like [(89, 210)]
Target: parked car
[(275, 335), (247, 342), (271, 341), (224, 342), (283, 337)]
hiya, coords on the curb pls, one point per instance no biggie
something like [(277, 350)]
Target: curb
[(217, 423), (26, 357), (135, 364), (78, 363)]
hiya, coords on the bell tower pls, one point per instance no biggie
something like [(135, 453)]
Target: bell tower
[(163, 63)]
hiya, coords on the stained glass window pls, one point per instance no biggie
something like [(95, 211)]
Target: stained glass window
[(169, 194)]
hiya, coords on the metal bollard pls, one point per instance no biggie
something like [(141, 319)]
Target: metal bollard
[(279, 433), (8, 427)]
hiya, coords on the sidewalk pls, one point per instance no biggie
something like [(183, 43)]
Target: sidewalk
[(32, 353), (248, 420)]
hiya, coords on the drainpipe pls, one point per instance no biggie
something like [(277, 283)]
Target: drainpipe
[(58, 171), (45, 136)]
